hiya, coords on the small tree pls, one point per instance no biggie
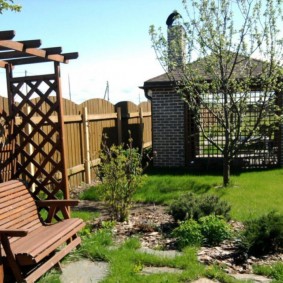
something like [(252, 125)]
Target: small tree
[(223, 38), (121, 172)]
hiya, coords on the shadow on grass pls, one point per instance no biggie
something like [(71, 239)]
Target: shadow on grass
[(182, 171)]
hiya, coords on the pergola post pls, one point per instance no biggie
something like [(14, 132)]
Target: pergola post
[(35, 128)]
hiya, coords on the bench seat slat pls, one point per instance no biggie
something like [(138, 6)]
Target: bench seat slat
[(34, 240), (16, 194), (16, 211), (40, 243), (30, 213)]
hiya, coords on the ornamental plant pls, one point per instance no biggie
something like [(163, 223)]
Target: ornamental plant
[(190, 205), (261, 236), (121, 173), (210, 230)]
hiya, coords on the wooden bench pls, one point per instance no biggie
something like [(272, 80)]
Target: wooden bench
[(30, 246)]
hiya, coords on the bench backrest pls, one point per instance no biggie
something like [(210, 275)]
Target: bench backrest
[(17, 207)]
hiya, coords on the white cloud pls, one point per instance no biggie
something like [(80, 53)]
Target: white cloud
[(125, 75)]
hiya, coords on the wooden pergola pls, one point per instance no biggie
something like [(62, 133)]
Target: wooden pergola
[(32, 101)]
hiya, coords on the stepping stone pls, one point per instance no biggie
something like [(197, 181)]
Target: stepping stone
[(204, 280), (252, 277), (155, 270), (168, 253), (84, 271)]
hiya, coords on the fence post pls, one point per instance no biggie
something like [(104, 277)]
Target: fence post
[(87, 150), (119, 125), (141, 126)]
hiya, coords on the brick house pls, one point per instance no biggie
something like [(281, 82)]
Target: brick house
[(175, 137), (168, 122)]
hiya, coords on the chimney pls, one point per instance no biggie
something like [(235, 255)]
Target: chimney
[(176, 42)]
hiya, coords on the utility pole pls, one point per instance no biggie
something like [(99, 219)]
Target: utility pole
[(106, 93)]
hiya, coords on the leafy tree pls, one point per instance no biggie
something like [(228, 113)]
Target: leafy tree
[(9, 5), (233, 48)]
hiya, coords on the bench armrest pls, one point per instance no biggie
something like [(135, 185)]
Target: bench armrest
[(56, 205), (13, 233)]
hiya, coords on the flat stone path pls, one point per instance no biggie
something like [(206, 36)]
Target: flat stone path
[(86, 271), (253, 277), (147, 270)]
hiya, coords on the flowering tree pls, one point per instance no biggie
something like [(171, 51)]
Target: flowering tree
[(233, 48)]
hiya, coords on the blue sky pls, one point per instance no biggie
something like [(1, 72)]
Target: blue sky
[(111, 37)]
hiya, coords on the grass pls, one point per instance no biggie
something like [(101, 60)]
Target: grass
[(126, 262), (251, 194)]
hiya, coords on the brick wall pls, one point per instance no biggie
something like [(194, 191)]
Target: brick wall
[(168, 129)]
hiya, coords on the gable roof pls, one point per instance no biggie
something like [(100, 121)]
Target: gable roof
[(245, 66)]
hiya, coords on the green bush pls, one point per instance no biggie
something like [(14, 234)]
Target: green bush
[(262, 236), (210, 230), (214, 229), (189, 206), (121, 174), (188, 233)]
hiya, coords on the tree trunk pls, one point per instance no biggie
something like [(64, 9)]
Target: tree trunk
[(226, 171)]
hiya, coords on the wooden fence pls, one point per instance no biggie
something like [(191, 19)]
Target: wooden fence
[(85, 126)]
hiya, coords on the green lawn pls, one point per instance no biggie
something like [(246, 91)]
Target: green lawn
[(251, 194)]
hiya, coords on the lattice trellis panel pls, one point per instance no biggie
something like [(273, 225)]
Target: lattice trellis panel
[(37, 138)]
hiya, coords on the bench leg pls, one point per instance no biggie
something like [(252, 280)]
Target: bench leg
[(1, 272), (58, 267), (11, 259)]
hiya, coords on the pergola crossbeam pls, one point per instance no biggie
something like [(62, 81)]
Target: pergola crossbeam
[(28, 51), (7, 34)]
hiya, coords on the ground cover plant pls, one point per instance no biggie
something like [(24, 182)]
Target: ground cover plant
[(192, 206)]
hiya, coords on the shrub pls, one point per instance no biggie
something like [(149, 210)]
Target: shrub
[(121, 172), (262, 236), (191, 206), (210, 230), (188, 233), (214, 229)]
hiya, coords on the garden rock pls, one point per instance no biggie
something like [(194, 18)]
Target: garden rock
[(166, 253), (156, 270), (204, 280), (252, 277)]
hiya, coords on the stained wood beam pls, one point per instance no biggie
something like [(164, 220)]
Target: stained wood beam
[(7, 34), (35, 43), (70, 56), (13, 45), (10, 54), (56, 57), (53, 50), (19, 45), (36, 52), (18, 54), (27, 60), (3, 64)]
